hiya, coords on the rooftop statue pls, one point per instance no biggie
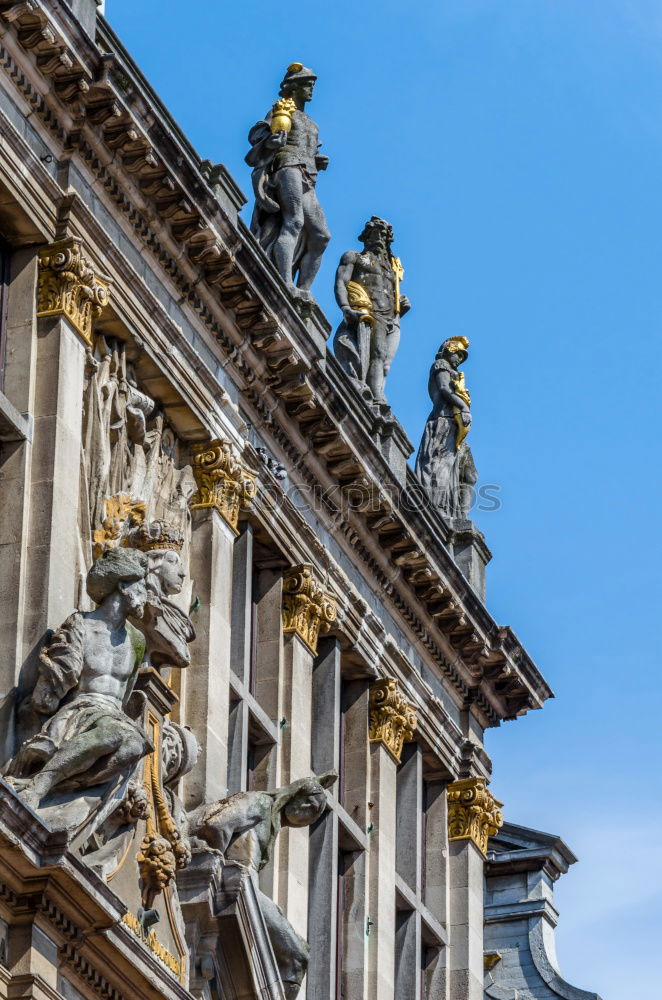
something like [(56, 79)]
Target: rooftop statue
[(86, 676), (444, 463), (288, 219), (244, 828), (368, 292)]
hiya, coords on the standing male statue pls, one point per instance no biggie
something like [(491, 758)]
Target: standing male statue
[(444, 463), (86, 675), (368, 292), (288, 219)]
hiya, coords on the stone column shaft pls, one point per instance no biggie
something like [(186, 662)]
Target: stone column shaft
[(473, 816), (295, 762), (207, 678), (381, 877), (15, 472)]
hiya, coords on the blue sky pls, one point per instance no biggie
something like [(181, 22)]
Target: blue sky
[(516, 148)]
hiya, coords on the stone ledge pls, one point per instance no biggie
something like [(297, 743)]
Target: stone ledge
[(14, 426)]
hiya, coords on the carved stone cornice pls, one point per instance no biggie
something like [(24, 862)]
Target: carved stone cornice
[(473, 812), (69, 286), (392, 718), (273, 357), (223, 482), (307, 609)]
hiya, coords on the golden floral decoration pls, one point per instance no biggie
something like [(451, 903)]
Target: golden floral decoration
[(70, 286), (473, 812), (223, 482), (392, 718), (307, 609)]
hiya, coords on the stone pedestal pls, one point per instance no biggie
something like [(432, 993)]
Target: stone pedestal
[(470, 553), (396, 447), (225, 930), (86, 12)]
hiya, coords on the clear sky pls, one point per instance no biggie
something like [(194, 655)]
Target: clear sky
[(516, 148)]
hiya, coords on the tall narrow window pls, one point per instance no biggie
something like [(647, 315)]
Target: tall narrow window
[(4, 295)]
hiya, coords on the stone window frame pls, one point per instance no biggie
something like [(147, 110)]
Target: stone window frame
[(338, 859), (420, 897), (5, 262), (250, 726)]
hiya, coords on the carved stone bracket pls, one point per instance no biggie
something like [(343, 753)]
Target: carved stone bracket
[(69, 286), (222, 481), (392, 718), (307, 609), (473, 812)]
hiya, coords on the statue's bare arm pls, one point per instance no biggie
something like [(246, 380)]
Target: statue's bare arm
[(343, 275)]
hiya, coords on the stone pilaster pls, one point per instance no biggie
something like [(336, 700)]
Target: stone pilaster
[(381, 916), (307, 609), (70, 286), (207, 689), (70, 296), (392, 717), (473, 815), (224, 484)]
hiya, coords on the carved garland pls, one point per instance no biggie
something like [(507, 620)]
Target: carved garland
[(163, 849), (393, 719), (69, 286), (307, 609), (222, 481), (473, 812)]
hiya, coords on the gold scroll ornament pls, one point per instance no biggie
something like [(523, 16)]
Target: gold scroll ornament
[(473, 812), (69, 286), (307, 609), (392, 718), (222, 481)]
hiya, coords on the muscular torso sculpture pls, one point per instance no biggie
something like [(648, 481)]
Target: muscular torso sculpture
[(368, 292), (86, 675)]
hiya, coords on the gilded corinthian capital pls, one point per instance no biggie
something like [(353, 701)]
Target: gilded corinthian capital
[(222, 481), (307, 609), (392, 718), (70, 286), (473, 812)]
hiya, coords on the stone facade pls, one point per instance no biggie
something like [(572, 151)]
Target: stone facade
[(249, 749)]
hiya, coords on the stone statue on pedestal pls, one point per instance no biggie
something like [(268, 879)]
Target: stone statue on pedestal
[(368, 292), (86, 676), (444, 463), (244, 828), (288, 219)]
